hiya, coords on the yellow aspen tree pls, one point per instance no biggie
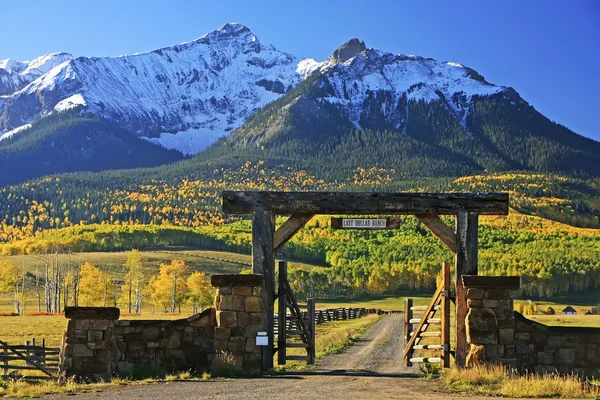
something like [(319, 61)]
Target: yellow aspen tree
[(91, 285), (10, 277)]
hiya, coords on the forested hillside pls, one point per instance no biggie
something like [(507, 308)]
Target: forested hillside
[(551, 258), (69, 141)]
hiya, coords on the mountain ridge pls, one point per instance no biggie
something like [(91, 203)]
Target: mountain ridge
[(369, 107)]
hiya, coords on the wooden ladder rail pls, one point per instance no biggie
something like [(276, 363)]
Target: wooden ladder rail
[(440, 301), (423, 322)]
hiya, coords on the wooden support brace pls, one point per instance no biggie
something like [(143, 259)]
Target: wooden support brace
[(289, 229), (439, 229)]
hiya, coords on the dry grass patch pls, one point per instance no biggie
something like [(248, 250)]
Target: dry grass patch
[(498, 381)]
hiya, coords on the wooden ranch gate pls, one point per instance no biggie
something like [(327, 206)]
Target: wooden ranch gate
[(302, 206)]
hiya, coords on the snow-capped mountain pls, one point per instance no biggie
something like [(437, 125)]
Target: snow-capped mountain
[(183, 97), (186, 96), (14, 75)]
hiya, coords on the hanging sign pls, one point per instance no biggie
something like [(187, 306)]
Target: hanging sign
[(365, 223)]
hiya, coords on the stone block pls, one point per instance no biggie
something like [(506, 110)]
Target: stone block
[(252, 330), (257, 291), (83, 324), (150, 333), (487, 303), (238, 346), (475, 294), (564, 356), (98, 345), (595, 339), (236, 280), (224, 290), (94, 336), (521, 348), (545, 358), (539, 338), (256, 318), (231, 303), (476, 356), (243, 319), (505, 305), (506, 336), (506, 323), (207, 345), (251, 346), (222, 334), (570, 341), (591, 352), (103, 356), (92, 313), (494, 350), (152, 345), (242, 290), (482, 327), (187, 337), (555, 341), (253, 304), (509, 351), (227, 319), (80, 334), (203, 321), (544, 369), (473, 303), (81, 350), (101, 325), (522, 336), (174, 341), (496, 294)]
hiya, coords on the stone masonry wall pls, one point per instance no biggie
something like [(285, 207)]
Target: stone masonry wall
[(240, 317), (98, 345), (183, 344), (89, 348), (498, 334)]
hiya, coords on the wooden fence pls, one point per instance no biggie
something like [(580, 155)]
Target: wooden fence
[(334, 314), (38, 361)]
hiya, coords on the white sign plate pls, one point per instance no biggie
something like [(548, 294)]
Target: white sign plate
[(262, 340), (364, 223)]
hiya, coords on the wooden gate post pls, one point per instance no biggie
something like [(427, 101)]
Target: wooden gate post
[(408, 315), (466, 264), (311, 327), (263, 263), (281, 314)]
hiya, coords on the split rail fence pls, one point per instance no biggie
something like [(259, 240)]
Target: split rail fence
[(37, 361)]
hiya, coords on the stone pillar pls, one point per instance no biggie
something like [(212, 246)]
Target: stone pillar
[(240, 316), (90, 349), (490, 321)]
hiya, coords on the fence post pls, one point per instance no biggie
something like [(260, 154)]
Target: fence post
[(5, 359), (311, 327), (408, 315), (282, 311)]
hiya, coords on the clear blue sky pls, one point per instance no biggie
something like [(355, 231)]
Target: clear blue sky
[(548, 50)]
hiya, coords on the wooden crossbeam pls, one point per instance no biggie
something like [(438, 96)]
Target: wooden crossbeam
[(289, 229), (361, 203), (439, 229)]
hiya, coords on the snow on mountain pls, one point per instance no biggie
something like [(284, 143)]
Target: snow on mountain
[(14, 74), (184, 97)]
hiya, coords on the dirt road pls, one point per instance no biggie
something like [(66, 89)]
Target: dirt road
[(370, 369)]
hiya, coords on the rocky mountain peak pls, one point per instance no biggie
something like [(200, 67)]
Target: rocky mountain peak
[(348, 50)]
